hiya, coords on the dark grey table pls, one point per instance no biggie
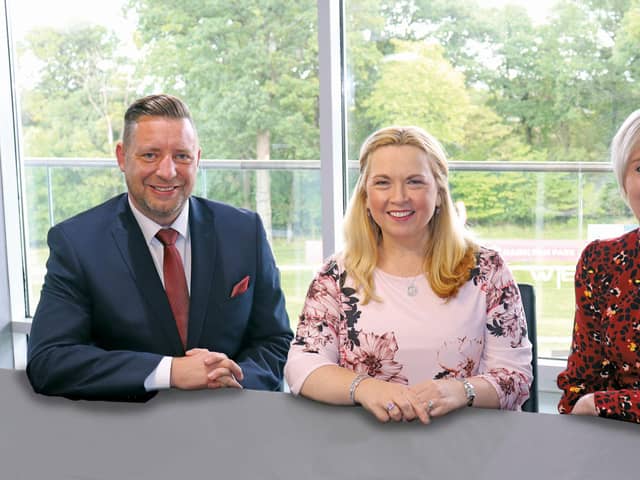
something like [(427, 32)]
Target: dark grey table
[(263, 435)]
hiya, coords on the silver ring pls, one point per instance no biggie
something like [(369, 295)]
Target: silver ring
[(390, 406), (430, 406)]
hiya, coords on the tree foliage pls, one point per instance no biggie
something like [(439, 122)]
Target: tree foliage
[(74, 109), (490, 83)]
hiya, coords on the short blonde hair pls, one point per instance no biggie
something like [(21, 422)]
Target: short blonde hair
[(625, 141), (449, 253)]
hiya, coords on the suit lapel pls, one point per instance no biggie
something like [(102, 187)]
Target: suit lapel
[(135, 254), (203, 255)]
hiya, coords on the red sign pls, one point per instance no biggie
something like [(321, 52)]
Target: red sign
[(538, 250)]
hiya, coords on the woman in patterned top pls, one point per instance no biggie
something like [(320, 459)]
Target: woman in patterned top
[(412, 319), (603, 371)]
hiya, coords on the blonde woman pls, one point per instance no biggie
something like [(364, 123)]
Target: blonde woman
[(413, 319)]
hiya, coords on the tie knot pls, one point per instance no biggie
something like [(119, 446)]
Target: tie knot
[(167, 236)]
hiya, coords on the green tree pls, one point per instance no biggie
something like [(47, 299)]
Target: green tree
[(366, 40), (74, 110), (82, 79), (467, 32), (418, 86), (495, 198), (626, 59), (247, 69)]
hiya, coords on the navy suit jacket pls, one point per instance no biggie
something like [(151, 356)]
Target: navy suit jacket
[(104, 322)]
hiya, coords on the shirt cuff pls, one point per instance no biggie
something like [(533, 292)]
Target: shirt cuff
[(160, 377)]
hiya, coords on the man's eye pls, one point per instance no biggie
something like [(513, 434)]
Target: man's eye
[(183, 157), (148, 156)]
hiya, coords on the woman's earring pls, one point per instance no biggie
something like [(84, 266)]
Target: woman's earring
[(437, 211)]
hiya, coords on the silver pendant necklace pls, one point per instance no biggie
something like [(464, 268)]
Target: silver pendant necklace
[(412, 290)]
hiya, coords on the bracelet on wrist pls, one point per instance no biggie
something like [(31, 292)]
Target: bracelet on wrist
[(469, 391), (354, 384)]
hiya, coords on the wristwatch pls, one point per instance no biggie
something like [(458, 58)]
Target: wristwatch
[(469, 391)]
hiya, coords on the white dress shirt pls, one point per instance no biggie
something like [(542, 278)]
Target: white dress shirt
[(160, 377)]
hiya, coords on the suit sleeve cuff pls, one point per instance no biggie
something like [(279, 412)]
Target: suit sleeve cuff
[(160, 377)]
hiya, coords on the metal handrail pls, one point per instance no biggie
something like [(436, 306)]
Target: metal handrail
[(222, 164)]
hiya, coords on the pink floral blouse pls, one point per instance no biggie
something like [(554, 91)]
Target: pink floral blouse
[(411, 338)]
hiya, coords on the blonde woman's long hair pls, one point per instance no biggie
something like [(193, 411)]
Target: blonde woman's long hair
[(449, 253)]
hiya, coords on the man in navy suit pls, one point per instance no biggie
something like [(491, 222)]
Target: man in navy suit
[(105, 329)]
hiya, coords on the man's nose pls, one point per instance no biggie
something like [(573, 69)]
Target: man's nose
[(166, 167)]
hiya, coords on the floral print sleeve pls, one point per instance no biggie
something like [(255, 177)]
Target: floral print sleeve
[(506, 358), (605, 351), (316, 340)]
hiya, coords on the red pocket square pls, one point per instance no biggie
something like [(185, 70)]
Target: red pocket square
[(240, 287)]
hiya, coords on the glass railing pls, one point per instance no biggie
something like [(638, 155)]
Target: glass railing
[(538, 215)]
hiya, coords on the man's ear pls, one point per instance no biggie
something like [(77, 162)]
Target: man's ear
[(198, 158), (120, 155)]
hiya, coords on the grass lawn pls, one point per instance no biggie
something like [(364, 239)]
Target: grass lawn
[(295, 284), (557, 232), (549, 231), (555, 306)]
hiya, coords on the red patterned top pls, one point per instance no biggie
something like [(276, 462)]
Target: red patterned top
[(605, 354)]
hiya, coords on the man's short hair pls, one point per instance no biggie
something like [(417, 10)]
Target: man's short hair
[(157, 105)]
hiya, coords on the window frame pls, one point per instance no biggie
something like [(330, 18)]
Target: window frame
[(13, 280)]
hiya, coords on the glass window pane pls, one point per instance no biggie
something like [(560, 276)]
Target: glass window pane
[(248, 71), (502, 82)]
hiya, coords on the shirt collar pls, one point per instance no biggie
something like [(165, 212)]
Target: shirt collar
[(150, 228)]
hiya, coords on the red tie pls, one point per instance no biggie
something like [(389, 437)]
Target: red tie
[(175, 282)]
